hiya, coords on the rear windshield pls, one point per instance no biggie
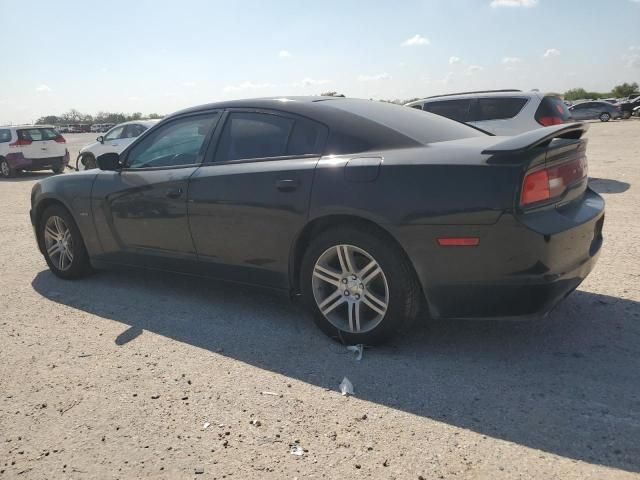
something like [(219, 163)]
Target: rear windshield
[(553, 107), (38, 134), (420, 126)]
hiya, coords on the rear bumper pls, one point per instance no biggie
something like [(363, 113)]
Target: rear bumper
[(522, 267), (17, 161)]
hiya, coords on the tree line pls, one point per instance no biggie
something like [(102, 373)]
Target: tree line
[(619, 91), (73, 116)]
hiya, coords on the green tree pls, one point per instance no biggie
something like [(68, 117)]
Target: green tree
[(625, 89)]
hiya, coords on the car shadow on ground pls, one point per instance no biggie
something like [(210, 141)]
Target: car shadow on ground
[(27, 176), (567, 385), (605, 185)]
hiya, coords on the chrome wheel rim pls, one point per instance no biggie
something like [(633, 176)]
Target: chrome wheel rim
[(5, 168), (58, 242), (350, 289)]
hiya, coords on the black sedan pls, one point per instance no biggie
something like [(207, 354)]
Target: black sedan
[(371, 212)]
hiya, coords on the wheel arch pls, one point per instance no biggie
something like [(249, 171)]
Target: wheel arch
[(323, 223)]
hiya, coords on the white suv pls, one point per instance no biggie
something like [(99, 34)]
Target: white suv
[(501, 112), (31, 148), (114, 141)]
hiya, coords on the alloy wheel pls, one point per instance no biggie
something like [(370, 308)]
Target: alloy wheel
[(350, 288), (58, 242), (4, 166)]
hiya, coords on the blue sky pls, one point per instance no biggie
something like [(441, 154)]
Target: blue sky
[(160, 56)]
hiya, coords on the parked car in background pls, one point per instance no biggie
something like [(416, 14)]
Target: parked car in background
[(370, 211), (596, 110), (31, 148), (105, 127), (627, 107), (500, 112), (114, 141), (95, 128)]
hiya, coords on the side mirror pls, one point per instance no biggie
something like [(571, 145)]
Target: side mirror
[(100, 139), (108, 161)]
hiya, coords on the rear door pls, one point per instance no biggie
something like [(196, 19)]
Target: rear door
[(40, 143), (141, 211), (496, 114), (249, 200)]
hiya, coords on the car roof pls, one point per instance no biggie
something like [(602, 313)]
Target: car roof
[(27, 126), (147, 123), (462, 96)]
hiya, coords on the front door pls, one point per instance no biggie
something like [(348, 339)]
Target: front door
[(249, 201), (142, 210)]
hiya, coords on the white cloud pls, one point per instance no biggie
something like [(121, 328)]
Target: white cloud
[(551, 52), (474, 69), (43, 88), (134, 99), (511, 60), (633, 60), (247, 86), (372, 78), (284, 54), (453, 60), (189, 84), (448, 79), (513, 3), (310, 81), (416, 40)]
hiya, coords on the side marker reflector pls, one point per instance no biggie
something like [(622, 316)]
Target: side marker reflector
[(459, 242)]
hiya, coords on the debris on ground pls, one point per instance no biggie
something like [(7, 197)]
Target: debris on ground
[(346, 387), (206, 425), (357, 349), (255, 423), (273, 394), (296, 450)]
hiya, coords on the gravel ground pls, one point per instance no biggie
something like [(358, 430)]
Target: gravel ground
[(132, 375)]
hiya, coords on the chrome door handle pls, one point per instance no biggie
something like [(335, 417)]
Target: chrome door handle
[(174, 192), (287, 185)]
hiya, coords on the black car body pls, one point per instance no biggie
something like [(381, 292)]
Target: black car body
[(477, 226), (627, 107)]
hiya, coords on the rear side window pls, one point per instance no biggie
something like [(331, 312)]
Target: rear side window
[(307, 137), (133, 131), (254, 135), (552, 111), (5, 135), (38, 134), (496, 108), (454, 109)]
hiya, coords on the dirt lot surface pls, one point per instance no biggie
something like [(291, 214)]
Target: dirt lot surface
[(156, 376)]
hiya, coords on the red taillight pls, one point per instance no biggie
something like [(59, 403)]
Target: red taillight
[(548, 121), (552, 182), (20, 143), (459, 241), (60, 139)]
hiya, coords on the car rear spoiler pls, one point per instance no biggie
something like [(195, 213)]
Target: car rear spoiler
[(537, 138)]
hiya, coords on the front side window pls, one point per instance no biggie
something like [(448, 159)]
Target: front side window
[(114, 134), (253, 135), (133, 130), (180, 142), (453, 109), (5, 136), (497, 108)]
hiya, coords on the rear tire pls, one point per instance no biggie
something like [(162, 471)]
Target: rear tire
[(626, 115), (604, 117), (58, 170), (5, 169), (359, 285), (64, 248)]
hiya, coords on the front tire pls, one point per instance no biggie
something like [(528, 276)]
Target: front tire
[(359, 285), (605, 117), (89, 161), (58, 170), (64, 248), (5, 169)]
